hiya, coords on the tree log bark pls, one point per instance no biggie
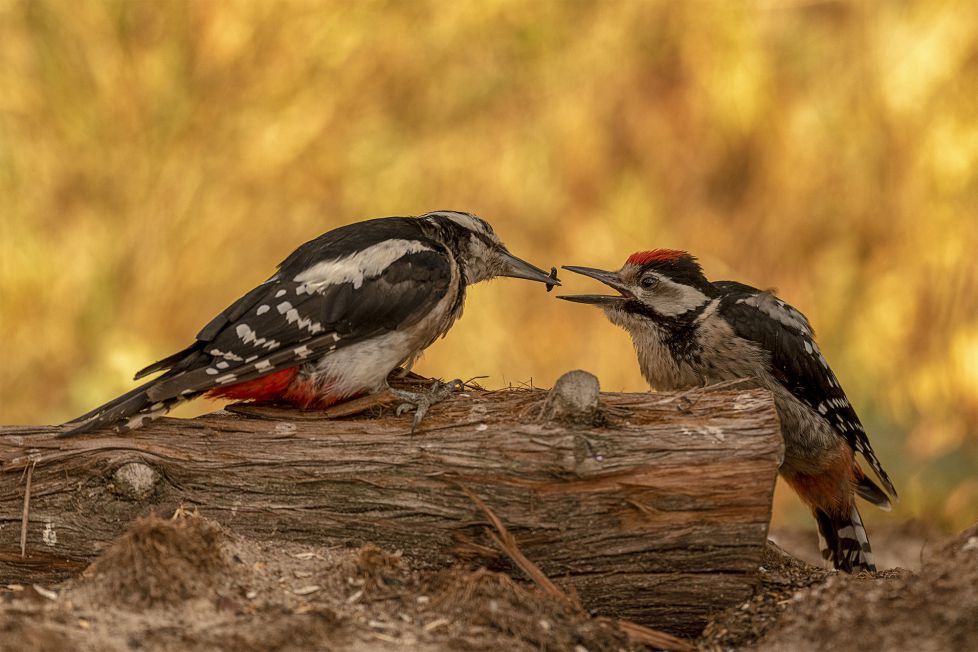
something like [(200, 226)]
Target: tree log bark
[(654, 509)]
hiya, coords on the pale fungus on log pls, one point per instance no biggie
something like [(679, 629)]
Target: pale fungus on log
[(652, 507), (135, 480)]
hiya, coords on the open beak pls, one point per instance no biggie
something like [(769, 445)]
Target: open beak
[(610, 279), (517, 268)]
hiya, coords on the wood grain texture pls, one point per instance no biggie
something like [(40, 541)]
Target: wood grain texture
[(659, 515)]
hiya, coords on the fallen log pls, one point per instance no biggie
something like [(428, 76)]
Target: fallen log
[(649, 507)]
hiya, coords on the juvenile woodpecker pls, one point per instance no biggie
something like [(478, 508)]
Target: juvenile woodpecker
[(689, 332), (340, 314)]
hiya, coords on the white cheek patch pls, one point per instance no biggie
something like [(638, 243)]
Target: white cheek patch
[(673, 299), (354, 268)]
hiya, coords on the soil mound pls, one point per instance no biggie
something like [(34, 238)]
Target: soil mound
[(160, 562), (802, 607), (781, 577), (27, 636), (188, 584), (935, 610), (486, 601)]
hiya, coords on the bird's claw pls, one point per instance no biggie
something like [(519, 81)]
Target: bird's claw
[(422, 401), (403, 407)]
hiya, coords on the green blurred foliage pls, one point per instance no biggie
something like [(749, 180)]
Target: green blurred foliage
[(157, 159)]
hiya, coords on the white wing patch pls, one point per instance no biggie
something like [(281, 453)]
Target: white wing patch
[(227, 355), (248, 335), (292, 316), (778, 310), (354, 268), (837, 403)]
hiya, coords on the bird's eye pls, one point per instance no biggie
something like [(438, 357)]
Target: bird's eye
[(648, 282)]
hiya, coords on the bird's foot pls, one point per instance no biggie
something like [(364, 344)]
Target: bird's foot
[(421, 401)]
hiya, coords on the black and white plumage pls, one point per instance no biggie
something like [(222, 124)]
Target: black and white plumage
[(798, 364), (342, 311), (690, 332)]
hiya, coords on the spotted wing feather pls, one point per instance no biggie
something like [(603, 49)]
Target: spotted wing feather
[(291, 325), (797, 362)]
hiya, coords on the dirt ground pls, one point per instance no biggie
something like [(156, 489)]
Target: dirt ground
[(802, 607), (188, 584)]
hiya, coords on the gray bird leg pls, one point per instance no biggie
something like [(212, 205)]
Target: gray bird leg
[(421, 401)]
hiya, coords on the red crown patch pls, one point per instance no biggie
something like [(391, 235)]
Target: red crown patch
[(655, 255)]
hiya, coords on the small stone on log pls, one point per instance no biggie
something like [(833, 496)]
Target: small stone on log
[(135, 480), (573, 398)]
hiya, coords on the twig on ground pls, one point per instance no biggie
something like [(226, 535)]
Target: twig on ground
[(507, 544), (649, 636), (634, 631)]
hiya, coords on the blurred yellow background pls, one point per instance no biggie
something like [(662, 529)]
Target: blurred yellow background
[(158, 159)]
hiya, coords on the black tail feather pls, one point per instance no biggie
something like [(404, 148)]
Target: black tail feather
[(170, 361), (868, 490), (125, 412), (134, 397), (844, 542), (874, 463)]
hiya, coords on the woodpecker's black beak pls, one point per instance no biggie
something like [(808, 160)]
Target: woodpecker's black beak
[(608, 278), (517, 268)]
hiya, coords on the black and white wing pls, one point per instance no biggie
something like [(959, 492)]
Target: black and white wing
[(340, 289), (796, 361)]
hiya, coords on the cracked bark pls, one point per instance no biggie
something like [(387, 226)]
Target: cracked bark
[(658, 514)]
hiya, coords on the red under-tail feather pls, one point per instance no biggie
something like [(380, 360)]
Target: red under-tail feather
[(283, 386), (265, 388)]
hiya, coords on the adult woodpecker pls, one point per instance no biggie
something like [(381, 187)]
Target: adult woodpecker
[(341, 313), (690, 332)]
